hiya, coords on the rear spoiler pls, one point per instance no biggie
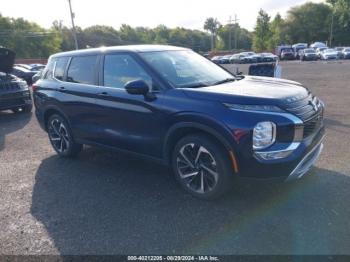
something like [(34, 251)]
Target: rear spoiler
[(7, 60)]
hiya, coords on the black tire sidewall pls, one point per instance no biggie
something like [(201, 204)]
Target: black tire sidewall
[(73, 147), (224, 167)]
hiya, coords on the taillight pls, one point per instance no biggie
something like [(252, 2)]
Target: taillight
[(34, 87)]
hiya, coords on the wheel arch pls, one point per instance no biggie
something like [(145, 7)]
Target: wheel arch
[(49, 111), (179, 130)]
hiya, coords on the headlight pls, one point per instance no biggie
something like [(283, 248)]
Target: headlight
[(264, 135)]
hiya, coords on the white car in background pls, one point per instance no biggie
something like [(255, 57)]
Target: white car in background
[(329, 54), (346, 53), (319, 51)]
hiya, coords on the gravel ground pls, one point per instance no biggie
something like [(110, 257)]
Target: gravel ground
[(108, 203)]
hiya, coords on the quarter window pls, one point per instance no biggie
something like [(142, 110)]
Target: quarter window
[(82, 70), (60, 67), (48, 71), (120, 69)]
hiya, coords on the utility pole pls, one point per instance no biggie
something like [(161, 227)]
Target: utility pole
[(73, 26), (229, 33), (331, 31), (236, 31)]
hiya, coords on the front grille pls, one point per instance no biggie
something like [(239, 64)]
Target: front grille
[(305, 108), (313, 124), (310, 111)]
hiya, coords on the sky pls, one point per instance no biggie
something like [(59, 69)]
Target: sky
[(149, 13)]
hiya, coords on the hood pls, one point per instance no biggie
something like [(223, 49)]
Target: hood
[(252, 90), (7, 60)]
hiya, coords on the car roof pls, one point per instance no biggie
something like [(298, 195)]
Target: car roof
[(125, 48)]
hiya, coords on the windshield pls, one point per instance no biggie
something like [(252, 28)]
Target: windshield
[(309, 51), (186, 69)]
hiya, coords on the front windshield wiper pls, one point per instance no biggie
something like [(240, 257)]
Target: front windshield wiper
[(194, 85), (231, 79)]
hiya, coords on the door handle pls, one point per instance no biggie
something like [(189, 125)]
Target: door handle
[(61, 88), (103, 94)]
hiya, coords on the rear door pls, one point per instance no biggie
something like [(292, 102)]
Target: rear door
[(77, 85)]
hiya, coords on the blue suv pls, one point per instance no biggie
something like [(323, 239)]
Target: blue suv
[(177, 107)]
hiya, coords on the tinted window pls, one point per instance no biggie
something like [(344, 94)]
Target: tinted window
[(120, 69), (48, 71), (185, 68), (82, 70), (60, 67)]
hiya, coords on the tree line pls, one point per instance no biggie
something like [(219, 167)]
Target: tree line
[(306, 23), (326, 22)]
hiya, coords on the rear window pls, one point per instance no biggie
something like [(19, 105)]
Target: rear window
[(60, 67), (82, 70)]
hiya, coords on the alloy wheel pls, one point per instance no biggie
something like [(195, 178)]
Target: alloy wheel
[(59, 135), (197, 168)]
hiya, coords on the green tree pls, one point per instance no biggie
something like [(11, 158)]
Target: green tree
[(341, 21), (278, 34), (27, 39), (97, 35), (262, 32), (244, 37), (308, 23), (129, 35), (212, 25)]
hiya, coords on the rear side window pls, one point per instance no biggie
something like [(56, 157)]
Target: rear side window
[(48, 71), (60, 67), (120, 69), (82, 70)]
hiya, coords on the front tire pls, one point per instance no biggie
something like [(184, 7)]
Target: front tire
[(202, 166), (61, 137)]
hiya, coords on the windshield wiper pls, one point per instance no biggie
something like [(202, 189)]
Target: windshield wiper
[(194, 85), (224, 81)]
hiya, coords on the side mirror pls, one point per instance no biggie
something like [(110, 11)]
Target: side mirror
[(137, 87)]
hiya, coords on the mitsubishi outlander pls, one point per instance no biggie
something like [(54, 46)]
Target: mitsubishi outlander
[(174, 106)]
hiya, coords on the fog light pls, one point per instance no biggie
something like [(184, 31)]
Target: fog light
[(264, 135), (273, 155)]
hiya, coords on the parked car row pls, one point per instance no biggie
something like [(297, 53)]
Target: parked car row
[(245, 58), (317, 50), (31, 67), (27, 72), (14, 91)]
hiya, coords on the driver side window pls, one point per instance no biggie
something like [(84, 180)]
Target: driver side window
[(120, 69)]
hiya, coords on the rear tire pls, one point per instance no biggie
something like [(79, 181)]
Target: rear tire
[(61, 137), (202, 166)]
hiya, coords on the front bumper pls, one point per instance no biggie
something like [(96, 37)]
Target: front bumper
[(306, 163), (310, 58), (13, 100)]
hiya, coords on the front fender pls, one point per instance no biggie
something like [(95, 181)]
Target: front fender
[(197, 122)]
